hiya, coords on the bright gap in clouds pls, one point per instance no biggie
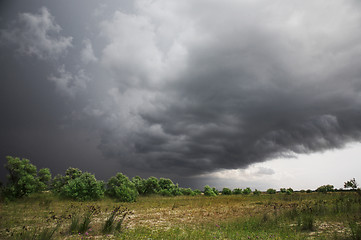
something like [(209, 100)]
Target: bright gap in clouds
[(301, 172)]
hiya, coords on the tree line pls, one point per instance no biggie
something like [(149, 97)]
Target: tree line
[(24, 179)]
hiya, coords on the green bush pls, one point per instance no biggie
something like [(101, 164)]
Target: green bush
[(271, 191), (139, 184), (256, 192), (246, 191), (325, 189), (187, 191), (22, 178), (165, 192), (226, 191), (208, 191), (121, 188), (83, 188), (237, 191), (151, 186)]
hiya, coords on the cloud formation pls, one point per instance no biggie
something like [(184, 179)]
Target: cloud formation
[(37, 35), (195, 89)]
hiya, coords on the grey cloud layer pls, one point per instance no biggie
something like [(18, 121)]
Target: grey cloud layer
[(223, 86), (188, 87)]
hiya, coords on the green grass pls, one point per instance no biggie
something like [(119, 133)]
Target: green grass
[(277, 216)]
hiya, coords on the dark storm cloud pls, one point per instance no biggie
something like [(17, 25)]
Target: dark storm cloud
[(247, 87), (181, 88)]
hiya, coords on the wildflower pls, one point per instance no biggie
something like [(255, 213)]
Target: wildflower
[(87, 233), (217, 226)]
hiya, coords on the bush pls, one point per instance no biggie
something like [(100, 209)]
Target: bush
[(187, 191), (208, 191), (271, 191), (139, 184), (256, 192), (44, 176), (325, 189), (22, 178), (197, 192), (151, 186), (83, 188), (165, 192), (226, 191), (237, 191), (121, 188), (246, 191)]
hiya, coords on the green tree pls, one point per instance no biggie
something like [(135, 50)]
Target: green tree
[(256, 192), (44, 176), (325, 189), (139, 184), (208, 191), (237, 191), (121, 188), (83, 188), (226, 191), (271, 191), (351, 184), (22, 178), (246, 191), (151, 186)]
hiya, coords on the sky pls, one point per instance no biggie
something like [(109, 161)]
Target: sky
[(231, 93)]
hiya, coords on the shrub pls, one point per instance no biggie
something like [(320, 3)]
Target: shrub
[(215, 191), (121, 188), (226, 191), (325, 189), (139, 184), (22, 178), (271, 191), (196, 192), (208, 191), (256, 192), (151, 186), (283, 190), (246, 191), (165, 192), (187, 191), (44, 176), (85, 187), (237, 191)]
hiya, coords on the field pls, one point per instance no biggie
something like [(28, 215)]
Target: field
[(334, 215)]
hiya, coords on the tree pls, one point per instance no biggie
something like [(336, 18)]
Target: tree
[(226, 191), (351, 184), (256, 192), (44, 176), (237, 191), (271, 191), (209, 192), (151, 186), (246, 191), (121, 188), (325, 189), (83, 188), (22, 178), (283, 190), (139, 184)]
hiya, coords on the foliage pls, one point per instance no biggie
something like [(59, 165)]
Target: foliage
[(325, 189), (85, 187), (139, 184), (215, 191), (44, 176), (246, 191), (351, 184), (22, 178), (187, 192), (208, 191), (151, 186), (121, 188), (237, 191), (256, 192), (271, 191), (283, 190), (117, 215), (226, 191)]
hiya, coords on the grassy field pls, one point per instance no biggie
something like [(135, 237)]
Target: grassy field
[(267, 216)]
